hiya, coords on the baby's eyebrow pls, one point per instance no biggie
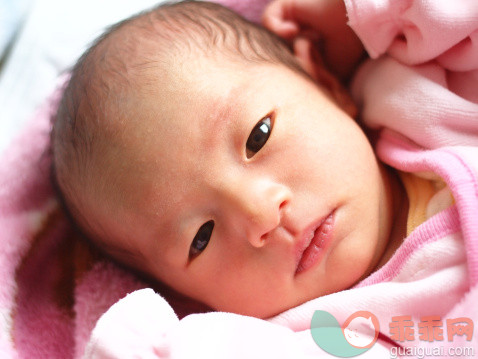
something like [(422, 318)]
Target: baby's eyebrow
[(219, 119), (226, 106), (222, 110)]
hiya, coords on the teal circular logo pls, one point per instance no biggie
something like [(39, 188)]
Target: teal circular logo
[(357, 335)]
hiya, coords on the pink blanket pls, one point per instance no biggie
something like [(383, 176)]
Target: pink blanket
[(53, 288)]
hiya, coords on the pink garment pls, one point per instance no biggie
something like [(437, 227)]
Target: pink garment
[(424, 97)]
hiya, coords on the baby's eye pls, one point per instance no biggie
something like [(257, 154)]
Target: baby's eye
[(259, 136), (201, 239)]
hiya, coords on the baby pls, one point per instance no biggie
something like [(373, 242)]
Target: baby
[(196, 147)]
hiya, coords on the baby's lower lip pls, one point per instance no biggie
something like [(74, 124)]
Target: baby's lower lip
[(317, 246)]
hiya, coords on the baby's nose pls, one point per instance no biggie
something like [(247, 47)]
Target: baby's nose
[(256, 205)]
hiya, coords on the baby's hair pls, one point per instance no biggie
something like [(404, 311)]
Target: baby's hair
[(94, 97)]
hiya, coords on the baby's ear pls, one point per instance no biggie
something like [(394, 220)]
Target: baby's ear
[(311, 61)]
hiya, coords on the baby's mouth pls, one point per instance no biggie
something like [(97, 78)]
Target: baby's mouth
[(314, 245)]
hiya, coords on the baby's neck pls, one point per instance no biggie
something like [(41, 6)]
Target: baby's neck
[(399, 218)]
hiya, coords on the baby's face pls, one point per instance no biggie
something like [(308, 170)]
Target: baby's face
[(246, 188)]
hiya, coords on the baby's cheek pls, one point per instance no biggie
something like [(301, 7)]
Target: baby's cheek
[(346, 263)]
